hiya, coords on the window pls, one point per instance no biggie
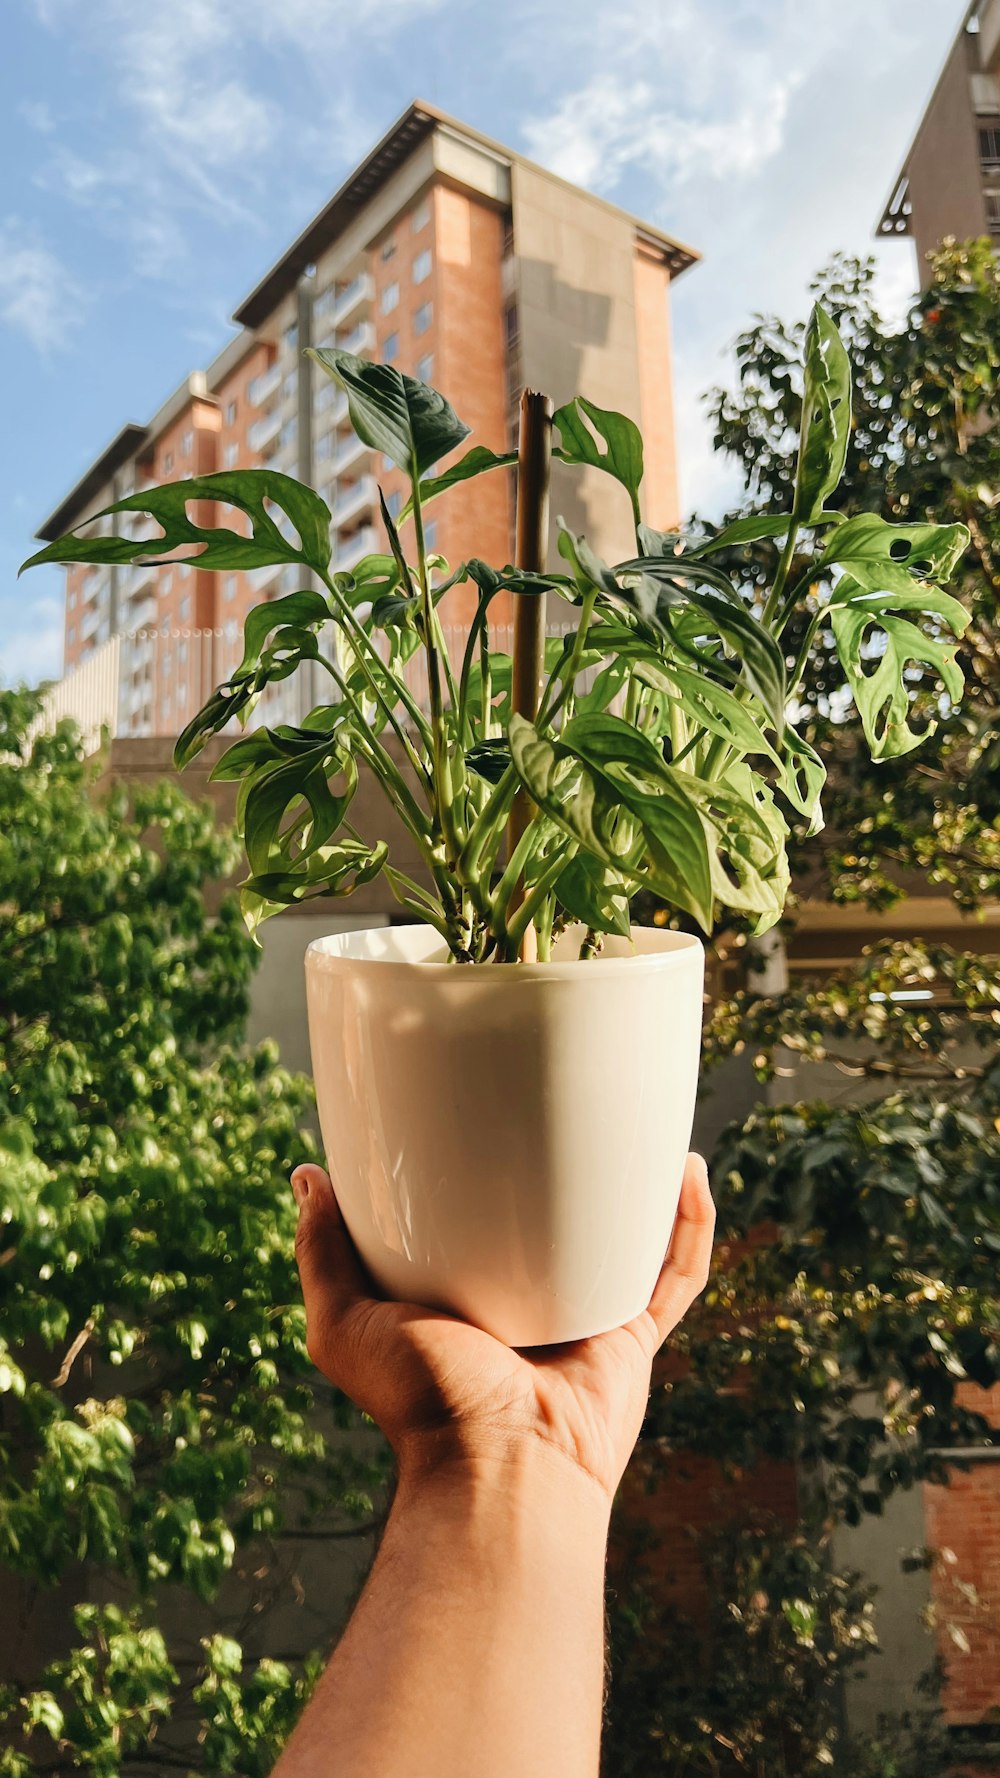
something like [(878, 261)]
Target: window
[(71, 601), (387, 462), (230, 413), (290, 337), (185, 569), (290, 385), (182, 654), (324, 446), (421, 217), (390, 298), (430, 535), (390, 351), (71, 634), (185, 610), (165, 583), (394, 502), (425, 367), (388, 249), (229, 588), (231, 455), (168, 462), (325, 396), (187, 443), (989, 146), (325, 301), (993, 213), (287, 434), (423, 317), (422, 266)]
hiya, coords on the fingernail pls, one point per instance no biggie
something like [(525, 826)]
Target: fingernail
[(300, 1186)]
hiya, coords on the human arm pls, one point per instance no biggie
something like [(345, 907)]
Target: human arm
[(477, 1645)]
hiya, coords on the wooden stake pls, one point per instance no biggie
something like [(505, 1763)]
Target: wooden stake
[(534, 461)]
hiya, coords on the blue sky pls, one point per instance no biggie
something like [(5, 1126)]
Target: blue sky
[(156, 158)]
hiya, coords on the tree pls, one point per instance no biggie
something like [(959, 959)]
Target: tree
[(159, 1415), (841, 1342)]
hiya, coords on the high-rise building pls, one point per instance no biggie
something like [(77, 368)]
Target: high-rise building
[(468, 267), (949, 183)]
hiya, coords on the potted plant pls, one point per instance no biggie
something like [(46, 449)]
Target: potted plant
[(506, 1085)]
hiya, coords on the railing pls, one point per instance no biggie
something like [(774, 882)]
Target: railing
[(264, 386), (360, 289), (360, 338), (263, 431), (354, 499), (151, 682)]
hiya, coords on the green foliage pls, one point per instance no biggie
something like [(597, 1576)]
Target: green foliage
[(159, 1411), (854, 1300), (702, 675)]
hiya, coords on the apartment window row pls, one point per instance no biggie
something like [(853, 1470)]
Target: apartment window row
[(419, 218), (993, 213), (231, 411)]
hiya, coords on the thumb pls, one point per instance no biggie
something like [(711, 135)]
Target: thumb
[(333, 1280)]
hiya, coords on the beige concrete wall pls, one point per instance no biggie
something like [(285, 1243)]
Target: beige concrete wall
[(576, 303), (278, 992), (945, 179), (659, 496)]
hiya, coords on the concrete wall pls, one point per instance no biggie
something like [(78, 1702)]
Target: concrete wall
[(576, 303), (945, 178)]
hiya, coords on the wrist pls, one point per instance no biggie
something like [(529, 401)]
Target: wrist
[(523, 1477)]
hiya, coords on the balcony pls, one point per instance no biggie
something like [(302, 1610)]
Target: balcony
[(354, 500), (264, 431), (142, 613), (360, 339), (140, 575), (360, 290), (349, 452), (361, 543), (264, 386)]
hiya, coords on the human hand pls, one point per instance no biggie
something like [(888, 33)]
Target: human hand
[(444, 1391)]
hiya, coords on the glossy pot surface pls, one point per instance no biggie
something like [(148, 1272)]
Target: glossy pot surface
[(507, 1141)]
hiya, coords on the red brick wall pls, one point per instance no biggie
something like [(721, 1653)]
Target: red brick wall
[(963, 1528)]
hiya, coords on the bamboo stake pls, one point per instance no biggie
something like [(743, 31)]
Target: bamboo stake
[(534, 461)]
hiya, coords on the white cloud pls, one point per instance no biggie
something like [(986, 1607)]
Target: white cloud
[(38, 297), (38, 116)]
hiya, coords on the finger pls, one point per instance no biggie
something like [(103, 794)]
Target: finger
[(685, 1270), (333, 1279)]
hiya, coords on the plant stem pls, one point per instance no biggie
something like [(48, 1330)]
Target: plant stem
[(351, 622), (781, 573)]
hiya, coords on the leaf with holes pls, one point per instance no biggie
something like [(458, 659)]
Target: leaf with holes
[(826, 420), (880, 690), (622, 457), (653, 836), (393, 413), (330, 871), (870, 544), (252, 491)]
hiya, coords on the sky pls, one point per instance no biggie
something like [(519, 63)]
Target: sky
[(156, 158)]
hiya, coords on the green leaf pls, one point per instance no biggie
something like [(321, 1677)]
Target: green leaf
[(880, 689), (749, 860), (251, 491), (298, 609), (393, 413), (741, 531), (714, 706), (826, 419), (869, 542), (656, 837), (653, 585), (623, 456), (478, 461), (595, 895), (274, 792), (332, 870), (489, 759), (274, 746), (801, 778)]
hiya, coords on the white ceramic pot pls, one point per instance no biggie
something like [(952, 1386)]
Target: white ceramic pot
[(507, 1141)]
